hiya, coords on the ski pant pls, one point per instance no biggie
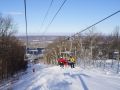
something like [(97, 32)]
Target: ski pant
[(61, 64), (72, 64)]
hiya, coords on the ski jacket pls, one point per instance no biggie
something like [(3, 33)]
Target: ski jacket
[(72, 59), (62, 60)]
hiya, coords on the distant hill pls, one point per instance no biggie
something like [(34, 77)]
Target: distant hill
[(38, 41)]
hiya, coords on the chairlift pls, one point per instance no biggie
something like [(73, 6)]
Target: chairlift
[(66, 54)]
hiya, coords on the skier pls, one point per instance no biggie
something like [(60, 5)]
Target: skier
[(33, 69), (62, 62), (72, 62)]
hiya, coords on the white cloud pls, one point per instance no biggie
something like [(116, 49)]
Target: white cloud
[(14, 13)]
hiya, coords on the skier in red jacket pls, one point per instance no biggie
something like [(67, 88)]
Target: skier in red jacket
[(61, 62)]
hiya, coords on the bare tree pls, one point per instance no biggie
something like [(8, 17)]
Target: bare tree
[(11, 49)]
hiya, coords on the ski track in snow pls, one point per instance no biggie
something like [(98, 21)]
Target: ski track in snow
[(57, 78)]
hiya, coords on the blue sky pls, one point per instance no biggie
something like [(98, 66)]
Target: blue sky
[(73, 17)]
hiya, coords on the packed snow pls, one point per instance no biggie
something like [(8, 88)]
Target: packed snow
[(48, 77)]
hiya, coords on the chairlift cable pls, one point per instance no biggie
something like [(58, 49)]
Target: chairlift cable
[(95, 24), (46, 13), (26, 26), (54, 17)]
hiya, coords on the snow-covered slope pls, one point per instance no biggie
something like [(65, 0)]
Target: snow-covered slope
[(56, 78)]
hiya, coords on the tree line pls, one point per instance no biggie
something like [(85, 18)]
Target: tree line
[(89, 46), (12, 50)]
